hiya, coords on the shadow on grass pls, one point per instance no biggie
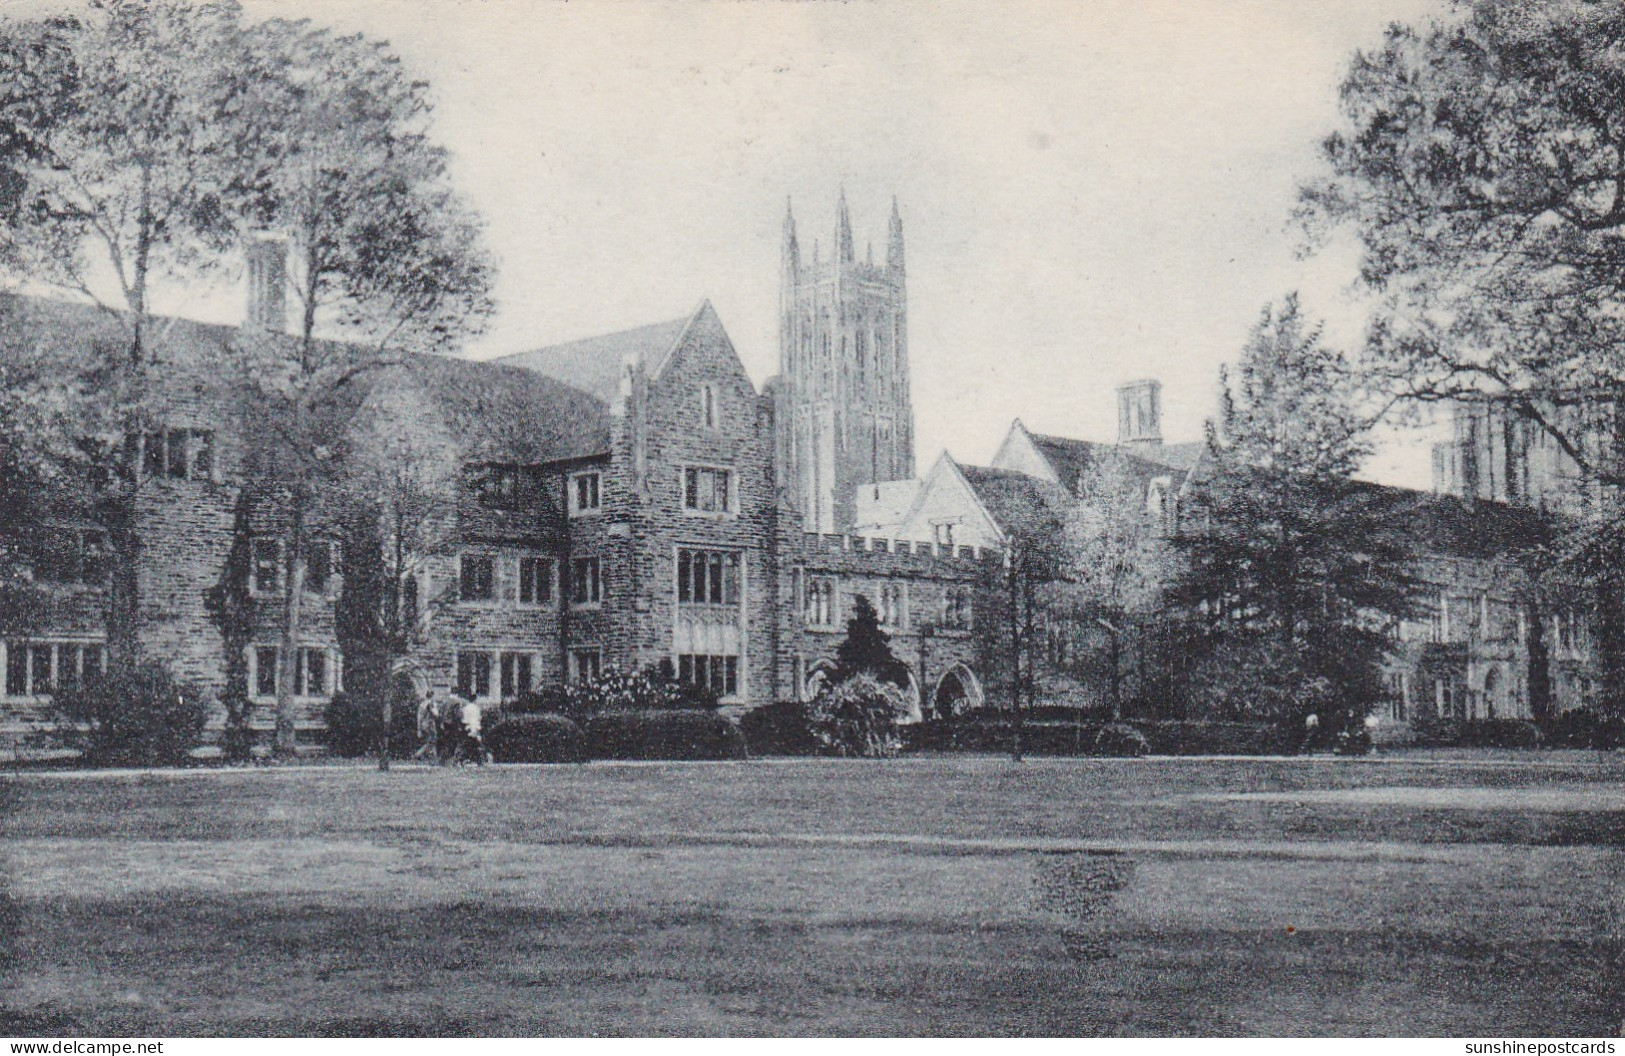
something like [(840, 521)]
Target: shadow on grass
[(259, 967)]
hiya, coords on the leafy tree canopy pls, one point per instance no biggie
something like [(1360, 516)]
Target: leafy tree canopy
[(1284, 545), (1480, 166)]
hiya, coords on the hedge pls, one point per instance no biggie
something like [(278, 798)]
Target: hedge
[(1121, 739), (991, 732), (1478, 733), (1583, 728), (1182, 737), (131, 715), (536, 738), (778, 729), (664, 734)]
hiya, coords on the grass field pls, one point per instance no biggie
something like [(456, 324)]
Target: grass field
[(1474, 893)]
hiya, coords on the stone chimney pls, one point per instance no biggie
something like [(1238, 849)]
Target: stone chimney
[(267, 257), (1139, 413)]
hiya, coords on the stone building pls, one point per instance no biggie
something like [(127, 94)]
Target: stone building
[(624, 502), (1515, 648)]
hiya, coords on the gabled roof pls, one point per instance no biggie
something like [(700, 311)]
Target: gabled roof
[(1439, 525), (505, 414), (594, 363), (75, 333), (1069, 458), (1073, 459), (1453, 527), (1017, 502)]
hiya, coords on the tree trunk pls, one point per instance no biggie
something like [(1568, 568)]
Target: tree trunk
[(1015, 660), (1139, 664), (396, 639), (388, 712), (1117, 676), (1540, 663), (1609, 641), (293, 596), (124, 581)]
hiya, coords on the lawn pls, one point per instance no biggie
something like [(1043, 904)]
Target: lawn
[(1474, 893)]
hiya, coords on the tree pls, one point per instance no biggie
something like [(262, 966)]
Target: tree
[(233, 610), (858, 716), (1289, 559), (111, 147), (1115, 562), (1479, 167), (866, 649), (1479, 164), (384, 253), (402, 483)]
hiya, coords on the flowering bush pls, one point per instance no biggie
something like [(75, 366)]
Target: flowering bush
[(858, 717), (613, 691)]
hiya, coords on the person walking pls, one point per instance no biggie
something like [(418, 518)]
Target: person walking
[(428, 727), (472, 738)]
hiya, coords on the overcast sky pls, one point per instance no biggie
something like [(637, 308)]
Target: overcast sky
[(1091, 192)]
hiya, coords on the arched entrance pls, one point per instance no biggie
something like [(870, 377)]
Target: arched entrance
[(819, 675), (916, 707), (957, 692)]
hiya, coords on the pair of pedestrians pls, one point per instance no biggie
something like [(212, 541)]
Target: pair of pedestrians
[(449, 730)]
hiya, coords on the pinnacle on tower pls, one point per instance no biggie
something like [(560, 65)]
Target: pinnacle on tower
[(894, 247), (843, 231), (792, 250)]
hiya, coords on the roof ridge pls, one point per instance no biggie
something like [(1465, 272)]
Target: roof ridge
[(602, 335), (658, 367)]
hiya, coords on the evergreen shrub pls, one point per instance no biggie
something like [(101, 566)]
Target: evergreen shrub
[(134, 714)]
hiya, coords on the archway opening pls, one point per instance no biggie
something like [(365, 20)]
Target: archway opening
[(821, 674), (957, 692)]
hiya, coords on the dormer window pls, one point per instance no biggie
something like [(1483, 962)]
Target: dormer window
[(266, 573), (709, 416), (498, 485), (585, 493)]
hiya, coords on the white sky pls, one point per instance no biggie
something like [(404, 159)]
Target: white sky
[(1091, 191)]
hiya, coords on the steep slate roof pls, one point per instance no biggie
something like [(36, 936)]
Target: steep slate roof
[(1445, 525), (496, 412), (74, 333), (1016, 501), (503, 413), (594, 363), (1453, 527), (1071, 459)]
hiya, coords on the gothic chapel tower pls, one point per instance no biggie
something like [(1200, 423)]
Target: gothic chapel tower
[(845, 418)]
